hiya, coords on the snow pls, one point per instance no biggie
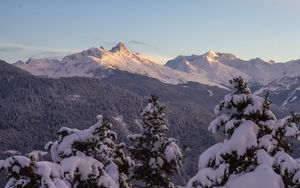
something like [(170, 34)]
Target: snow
[(243, 138), (60, 183), (216, 123), (97, 62), (41, 67), (65, 145), (85, 165), (255, 106), (208, 176), (285, 162), (211, 68), (36, 155), (120, 120), (156, 162), (112, 170), (107, 181), (255, 148), (267, 142), (220, 67), (210, 93), (207, 65), (86, 162), (264, 158), (16, 160), (172, 152), (134, 136), (210, 155), (262, 177), (11, 152)]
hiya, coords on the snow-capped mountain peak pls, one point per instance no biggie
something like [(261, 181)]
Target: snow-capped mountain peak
[(99, 62), (210, 65), (211, 55), (120, 47)]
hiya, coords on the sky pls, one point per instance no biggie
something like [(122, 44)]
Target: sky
[(163, 29)]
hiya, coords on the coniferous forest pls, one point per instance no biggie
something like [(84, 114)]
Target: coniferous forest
[(254, 142)]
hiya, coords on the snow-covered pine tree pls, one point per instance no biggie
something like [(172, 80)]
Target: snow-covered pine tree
[(22, 172), (156, 155), (88, 158), (255, 152), (99, 144)]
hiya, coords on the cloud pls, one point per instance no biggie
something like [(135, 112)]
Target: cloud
[(132, 42), (13, 52), (14, 47), (9, 49), (138, 43)]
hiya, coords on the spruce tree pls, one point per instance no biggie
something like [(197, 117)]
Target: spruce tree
[(255, 152), (157, 156), (23, 172), (88, 158), (99, 143)]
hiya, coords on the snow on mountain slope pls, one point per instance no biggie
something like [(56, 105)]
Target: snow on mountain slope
[(259, 70), (220, 67), (44, 67), (208, 65), (98, 62), (284, 91)]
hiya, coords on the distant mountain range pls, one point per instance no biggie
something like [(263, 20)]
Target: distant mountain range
[(220, 67), (40, 95), (98, 62), (211, 69)]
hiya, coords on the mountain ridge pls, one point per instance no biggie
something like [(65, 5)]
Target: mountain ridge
[(99, 62), (211, 68)]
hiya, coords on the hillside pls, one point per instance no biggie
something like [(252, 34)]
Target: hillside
[(34, 108)]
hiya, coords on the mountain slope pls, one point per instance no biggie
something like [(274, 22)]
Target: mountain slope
[(207, 65), (284, 92), (33, 108), (98, 62), (8, 70), (220, 67)]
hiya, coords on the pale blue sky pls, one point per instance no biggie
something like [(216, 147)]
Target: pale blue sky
[(269, 29)]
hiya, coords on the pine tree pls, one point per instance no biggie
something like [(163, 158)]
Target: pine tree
[(88, 158), (23, 172), (255, 147), (157, 156), (99, 143)]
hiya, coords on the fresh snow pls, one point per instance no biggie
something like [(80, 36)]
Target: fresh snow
[(98, 62), (220, 67), (211, 68), (255, 150), (262, 177)]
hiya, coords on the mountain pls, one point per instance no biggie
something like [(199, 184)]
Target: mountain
[(209, 65), (191, 92), (33, 108), (280, 80), (220, 67), (98, 62), (9, 71), (284, 92), (210, 69)]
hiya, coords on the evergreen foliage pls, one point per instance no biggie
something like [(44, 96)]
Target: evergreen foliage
[(87, 158), (256, 145), (157, 156)]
